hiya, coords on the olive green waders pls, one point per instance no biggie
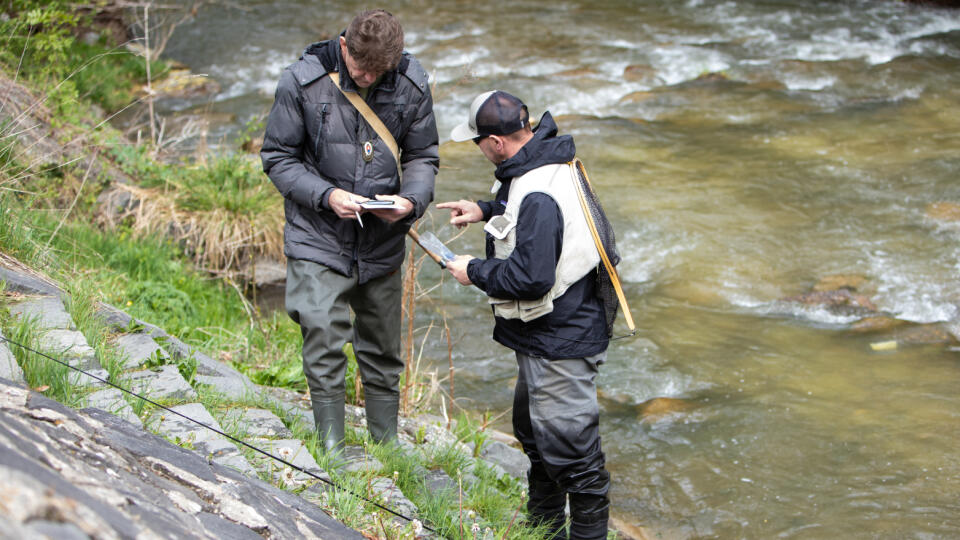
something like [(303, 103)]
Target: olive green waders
[(319, 300)]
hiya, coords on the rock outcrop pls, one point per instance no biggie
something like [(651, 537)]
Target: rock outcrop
[(90, 474), (223, 471)]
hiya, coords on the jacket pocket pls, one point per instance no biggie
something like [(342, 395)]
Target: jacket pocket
[(525, 310)]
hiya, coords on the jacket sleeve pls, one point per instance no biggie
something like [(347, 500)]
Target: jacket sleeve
[(530, 271), (420, 158), (282, 152)]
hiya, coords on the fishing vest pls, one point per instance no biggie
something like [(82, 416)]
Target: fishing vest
[(578, 255)]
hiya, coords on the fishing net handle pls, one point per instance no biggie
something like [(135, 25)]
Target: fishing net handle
[(611, 269)]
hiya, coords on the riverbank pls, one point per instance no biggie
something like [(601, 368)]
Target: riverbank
[(93, 220), (440, 466), (60, 156)]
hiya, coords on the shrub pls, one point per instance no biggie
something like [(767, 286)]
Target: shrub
[(164, 301)]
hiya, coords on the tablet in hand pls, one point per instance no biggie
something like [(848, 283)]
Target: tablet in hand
[(375, 204)]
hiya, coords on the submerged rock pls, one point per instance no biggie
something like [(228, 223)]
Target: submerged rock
[(656, 409), (839, 301), (839, 294), (835, 282), (925, 334), (642, 73), (943, 211), (577, 73), (636, 97), (879, 323)]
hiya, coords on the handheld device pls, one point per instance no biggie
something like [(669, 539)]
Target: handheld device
[(375, 204)]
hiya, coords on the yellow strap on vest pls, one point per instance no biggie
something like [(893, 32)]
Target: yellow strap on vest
[(611, 270), (371, 118)]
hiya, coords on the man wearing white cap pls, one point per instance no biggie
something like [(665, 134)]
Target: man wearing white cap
[(540, 276)]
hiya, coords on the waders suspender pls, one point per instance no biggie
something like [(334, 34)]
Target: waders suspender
[(611, 270), (387, 137)]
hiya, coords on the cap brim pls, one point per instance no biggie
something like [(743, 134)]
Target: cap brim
[(463, 133)]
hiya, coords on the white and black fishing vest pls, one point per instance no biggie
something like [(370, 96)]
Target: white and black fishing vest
[(578, 254)]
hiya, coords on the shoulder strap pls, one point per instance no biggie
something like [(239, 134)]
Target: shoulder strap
[(371, 118), (575, 165)]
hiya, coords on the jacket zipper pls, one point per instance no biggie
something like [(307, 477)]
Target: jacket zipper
[(323, 119)]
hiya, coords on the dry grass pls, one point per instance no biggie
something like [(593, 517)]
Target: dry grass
[(219, 240)]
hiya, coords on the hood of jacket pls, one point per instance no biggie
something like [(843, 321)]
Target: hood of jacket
[(545, 148)]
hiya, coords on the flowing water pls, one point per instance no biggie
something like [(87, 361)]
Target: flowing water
[(819, 146)]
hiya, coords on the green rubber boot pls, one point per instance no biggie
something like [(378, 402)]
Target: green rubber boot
[(328, 416), (382, 417)]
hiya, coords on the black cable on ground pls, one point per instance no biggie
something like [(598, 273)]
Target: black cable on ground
[(215, 430)]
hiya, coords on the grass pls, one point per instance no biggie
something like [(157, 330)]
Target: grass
[(49, 377)]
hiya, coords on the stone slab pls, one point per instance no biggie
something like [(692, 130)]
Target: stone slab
[(84, 379), (259, 423), (355, 459), (48, 311), (70, 346), (204, 441), (164, 382), (237, 387), (209, 366), (292, 451), (512, 460), (439, 481), (112, 401), (24, 284), (137, 348), (390, 496), (9, 368)]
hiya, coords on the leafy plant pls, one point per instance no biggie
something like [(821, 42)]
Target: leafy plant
[(284, 374), (170, 307)]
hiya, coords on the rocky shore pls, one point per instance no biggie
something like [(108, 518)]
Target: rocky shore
[(107, 471)]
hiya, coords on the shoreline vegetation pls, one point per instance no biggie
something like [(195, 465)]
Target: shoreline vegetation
[(120, 218)]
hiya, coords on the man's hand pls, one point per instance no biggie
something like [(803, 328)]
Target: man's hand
[(390, 215), (458, 267), (463, 212), (345, 204)]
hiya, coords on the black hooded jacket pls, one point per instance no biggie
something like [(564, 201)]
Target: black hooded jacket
[(313, 142), (576, 327)]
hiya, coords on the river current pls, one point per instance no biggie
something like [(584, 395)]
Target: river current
[(744, 151)]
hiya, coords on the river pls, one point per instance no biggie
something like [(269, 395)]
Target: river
[(821, 145)]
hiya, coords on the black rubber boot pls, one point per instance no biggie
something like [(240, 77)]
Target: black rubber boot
[(546, 503), (589, 515), (546, 507), (328, 416), (382, 416)]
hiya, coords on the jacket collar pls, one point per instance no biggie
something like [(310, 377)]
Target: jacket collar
[(545, 148)]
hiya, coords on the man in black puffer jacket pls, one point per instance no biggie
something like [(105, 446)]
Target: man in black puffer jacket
[(540, 274), (325, 159)]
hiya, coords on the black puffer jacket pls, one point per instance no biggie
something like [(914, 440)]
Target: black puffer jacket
[(577, 325), (313, 144)]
